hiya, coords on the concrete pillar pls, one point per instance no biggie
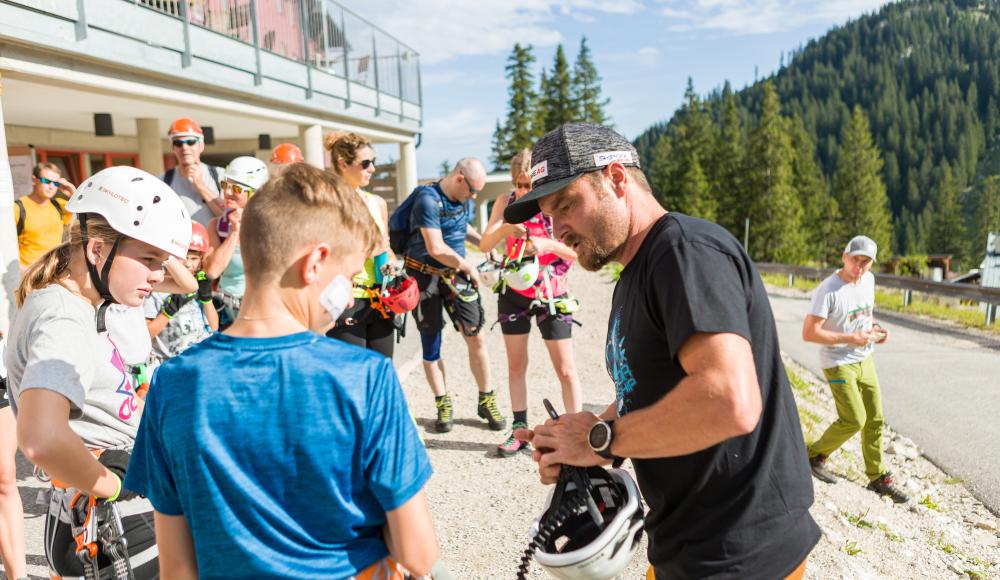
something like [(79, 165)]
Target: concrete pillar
[(10, 272), (150, 145), (312, 145), (406, 171)]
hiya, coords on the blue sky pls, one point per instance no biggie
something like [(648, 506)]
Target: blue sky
[(644, 49)]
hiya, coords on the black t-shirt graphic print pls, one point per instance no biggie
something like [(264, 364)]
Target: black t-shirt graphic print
[(738, 509)]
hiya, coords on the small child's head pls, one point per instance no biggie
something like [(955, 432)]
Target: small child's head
[(198, 248), (305, 229)]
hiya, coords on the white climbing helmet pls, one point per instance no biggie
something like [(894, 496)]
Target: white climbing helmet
[(248, 171), (522, 274), (592, 552), (489, 272), (137, 205)]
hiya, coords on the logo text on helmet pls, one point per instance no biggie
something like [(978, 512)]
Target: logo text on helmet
[(608, 157), (113, 194), (539, 170)]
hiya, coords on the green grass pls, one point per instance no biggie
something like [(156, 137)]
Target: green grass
[(893, 536), (930, 504), (892, 300), (612, 272), (953, 480), (858, 520), (852, 549)]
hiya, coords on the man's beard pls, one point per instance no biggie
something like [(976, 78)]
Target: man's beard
[(596, 252)]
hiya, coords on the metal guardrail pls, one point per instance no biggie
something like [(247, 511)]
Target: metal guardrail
[(320, 33), (989, 296)]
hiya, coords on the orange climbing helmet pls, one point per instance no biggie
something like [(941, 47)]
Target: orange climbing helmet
[(185, 127), (286, 154)]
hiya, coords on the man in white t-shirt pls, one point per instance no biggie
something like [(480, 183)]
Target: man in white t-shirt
[(196, 183), (841, 320)]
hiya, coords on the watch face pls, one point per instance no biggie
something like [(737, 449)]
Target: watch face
[(599, 435)]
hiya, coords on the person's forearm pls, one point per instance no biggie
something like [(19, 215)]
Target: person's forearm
[(472, 236), (61, 454), (217, 261), (491, 237), (211, 315), (178, 280), (695, 415), (447, 256), (826, 337), (156, 325)]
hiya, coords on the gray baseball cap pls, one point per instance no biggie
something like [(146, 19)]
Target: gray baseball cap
[(862, 246), (562, 155)]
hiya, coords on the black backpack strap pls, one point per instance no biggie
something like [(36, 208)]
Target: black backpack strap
[(214, 172), (58, 207), (20, 216), (168, 177)]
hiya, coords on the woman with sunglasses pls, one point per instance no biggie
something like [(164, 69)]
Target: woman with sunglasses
[(76, 403), (517, 307), (243, 177), (353, 159)]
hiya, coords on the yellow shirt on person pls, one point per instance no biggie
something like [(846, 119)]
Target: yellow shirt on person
[(366, 278), (42, 229)]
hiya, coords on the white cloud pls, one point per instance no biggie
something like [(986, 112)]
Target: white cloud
[(441, 30), (760, 16)]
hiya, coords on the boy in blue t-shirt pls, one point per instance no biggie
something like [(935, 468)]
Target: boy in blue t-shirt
[(287, 454), (435, 257)]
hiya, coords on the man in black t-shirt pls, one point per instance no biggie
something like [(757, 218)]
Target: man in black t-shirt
[(703, 406)]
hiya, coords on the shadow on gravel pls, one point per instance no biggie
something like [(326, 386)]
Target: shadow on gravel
[(428, 424), (457, 445), (29, 497)]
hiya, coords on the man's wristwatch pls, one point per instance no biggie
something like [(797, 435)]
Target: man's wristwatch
[(600, 437)]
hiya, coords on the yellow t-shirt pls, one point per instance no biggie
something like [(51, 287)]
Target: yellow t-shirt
[(42, 229), (366, 278)]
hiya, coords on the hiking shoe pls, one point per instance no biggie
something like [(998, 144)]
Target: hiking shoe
[(513, 445), (443, 423), (488, 410), (885, 486), (820, 470)]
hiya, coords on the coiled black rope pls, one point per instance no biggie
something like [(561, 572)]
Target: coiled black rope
[(546, 528)]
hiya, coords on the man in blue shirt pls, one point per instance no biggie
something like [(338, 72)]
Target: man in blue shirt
[(271, 451), (436, 258)]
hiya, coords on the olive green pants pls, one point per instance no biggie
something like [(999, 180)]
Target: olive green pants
[(859, 408)]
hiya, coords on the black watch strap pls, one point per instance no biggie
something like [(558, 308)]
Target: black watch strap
[(606, 452)]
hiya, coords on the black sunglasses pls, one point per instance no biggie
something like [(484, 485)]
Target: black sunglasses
[(183, 142), (366, 163)]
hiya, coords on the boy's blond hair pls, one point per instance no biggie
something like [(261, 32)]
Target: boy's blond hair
[(301, 206)]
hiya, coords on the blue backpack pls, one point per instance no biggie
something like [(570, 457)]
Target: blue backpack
[(399, 222)]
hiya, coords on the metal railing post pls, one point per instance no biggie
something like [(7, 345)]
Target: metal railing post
[(81, 20), (258, 78), (399, 76), (304, 25), (347, 69), (907, 298), (420, 92), (791, 280), (186, 19), (991, 314), (378, 91)]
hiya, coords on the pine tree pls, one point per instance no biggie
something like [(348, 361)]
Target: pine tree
[(557, 103), (726, 174), (819, 209), (858, 187), (587, 88), (519, 129), (687, 189), (775, 211), (947, 227)]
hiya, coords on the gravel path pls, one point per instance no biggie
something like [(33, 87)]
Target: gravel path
[(484, 505)]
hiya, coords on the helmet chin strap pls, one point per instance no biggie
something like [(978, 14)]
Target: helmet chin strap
[(100, 280)]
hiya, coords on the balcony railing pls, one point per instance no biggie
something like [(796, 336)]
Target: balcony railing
[(320, 33)]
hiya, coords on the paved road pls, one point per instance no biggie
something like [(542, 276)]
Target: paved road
[(940, 388)]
